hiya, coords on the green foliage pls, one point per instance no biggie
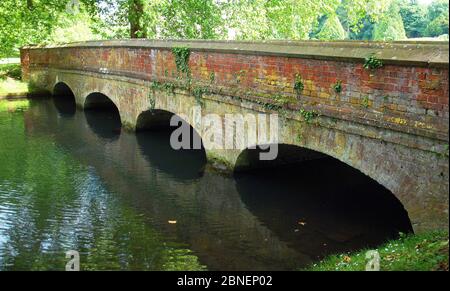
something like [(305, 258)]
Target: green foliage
[(337, 87), (414, 16), (191, 19), (154, 85), (282, 100), (26, 22), (73, 27), (438, 8), (390, 27), (198, 94), (424, 252), (438, 26), (424, 21), (182, 55), (45, 21), (14, 105), (10, 75), (372, 62), (365, 102), (332, 29), (152, 102), (169, 87), (13, 71), (294, 19), (308, 116), (298, 84)]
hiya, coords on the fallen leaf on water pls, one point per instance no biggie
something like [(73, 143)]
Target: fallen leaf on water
[(172, 221)]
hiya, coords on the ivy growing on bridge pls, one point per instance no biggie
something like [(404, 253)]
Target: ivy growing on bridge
[(182, 55), (198, 94), (372, 62), (298, 84), (308, 116), (337, 86)]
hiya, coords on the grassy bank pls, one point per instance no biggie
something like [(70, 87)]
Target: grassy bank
[(10, 81), (424, 252)]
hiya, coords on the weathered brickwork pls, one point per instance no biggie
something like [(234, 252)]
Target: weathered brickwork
[(406, 98), (391, 123)]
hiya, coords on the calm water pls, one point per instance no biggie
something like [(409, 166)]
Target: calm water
[(72, 181)]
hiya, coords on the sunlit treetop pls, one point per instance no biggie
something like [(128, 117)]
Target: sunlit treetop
[(39, 21)]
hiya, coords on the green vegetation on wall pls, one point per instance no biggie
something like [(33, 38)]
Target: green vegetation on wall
[(372, 62), (182, 55)]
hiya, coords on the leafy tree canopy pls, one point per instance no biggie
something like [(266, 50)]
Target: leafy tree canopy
[(39, 21), (390, 27)]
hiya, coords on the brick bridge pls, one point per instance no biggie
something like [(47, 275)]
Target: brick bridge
[(389, 120)]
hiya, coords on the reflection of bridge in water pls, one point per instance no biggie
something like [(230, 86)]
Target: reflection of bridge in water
[(244, 223), (388, 122)]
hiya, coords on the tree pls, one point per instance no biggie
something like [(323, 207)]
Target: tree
[(438, 18), (358, 18), (135, 16), (390, 27), (296, 19), (332, 29), (37, 21), (27, 21), (118, 18), (414, 16), (438, 26), (191, 19)]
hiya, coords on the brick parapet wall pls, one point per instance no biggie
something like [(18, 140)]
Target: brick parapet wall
[(405, 94)]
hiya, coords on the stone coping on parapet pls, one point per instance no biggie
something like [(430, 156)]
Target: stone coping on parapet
[(415, 53)]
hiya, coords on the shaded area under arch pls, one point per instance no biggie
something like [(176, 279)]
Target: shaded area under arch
[(319, 204), (64, 99), (102, 116), (153, 132)]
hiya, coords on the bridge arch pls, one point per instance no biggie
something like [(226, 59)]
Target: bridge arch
[(385, 131), (103, 116), (337, 175), (155, 119), (64, 99), (98, 100), (154, 136)]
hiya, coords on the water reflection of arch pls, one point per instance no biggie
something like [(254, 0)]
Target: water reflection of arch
[(64, 99), (153, 133), (211, 217), (102, 116), (321, 198)]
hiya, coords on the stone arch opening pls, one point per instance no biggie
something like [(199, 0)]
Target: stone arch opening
[(102, 116), (327, 205), (64, 99), (154, 134)]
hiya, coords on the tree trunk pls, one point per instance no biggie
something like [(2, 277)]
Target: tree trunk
[(135, 13)]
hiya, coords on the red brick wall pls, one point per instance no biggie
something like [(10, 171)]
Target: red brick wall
[(406, 98)]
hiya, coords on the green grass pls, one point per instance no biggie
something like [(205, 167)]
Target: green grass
[(10, 70), (424, 252), (11, 86), (10, 80)]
